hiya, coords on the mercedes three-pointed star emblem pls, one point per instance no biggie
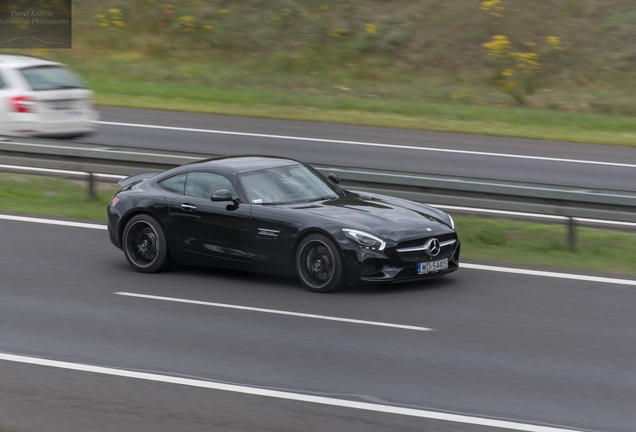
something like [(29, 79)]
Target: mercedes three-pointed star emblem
[(432, 247)]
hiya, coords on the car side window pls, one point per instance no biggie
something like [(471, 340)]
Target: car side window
[(174, 184), (204, 184), (1, 81)]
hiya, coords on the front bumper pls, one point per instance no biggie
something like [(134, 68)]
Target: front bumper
[(389, 268)]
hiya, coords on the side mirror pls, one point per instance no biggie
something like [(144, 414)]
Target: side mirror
[(222, 195), (334, 178)]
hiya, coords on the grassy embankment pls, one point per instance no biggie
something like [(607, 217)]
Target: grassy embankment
[(483, 239), (405, 64)]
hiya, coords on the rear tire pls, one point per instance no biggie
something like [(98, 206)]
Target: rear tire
[(319, 264), (145, 245)]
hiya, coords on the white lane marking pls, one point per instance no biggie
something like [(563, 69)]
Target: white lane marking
[(500, 212), (463, 264), (299, 397), (532, 215), (274, 311), (556, 275), (369, 144), (53, 222)]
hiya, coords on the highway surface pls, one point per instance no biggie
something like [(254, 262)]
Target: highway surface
[(580, 165), (480, 348), (86, 344)]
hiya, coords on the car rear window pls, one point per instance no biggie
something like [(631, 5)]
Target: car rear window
[(174, 184), (51, 78)]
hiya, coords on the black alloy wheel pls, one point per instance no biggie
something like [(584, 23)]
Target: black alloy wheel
[(318, 264), (145, 245)]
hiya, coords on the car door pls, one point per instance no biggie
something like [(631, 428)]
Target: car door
[(214, 233), (274, 230)]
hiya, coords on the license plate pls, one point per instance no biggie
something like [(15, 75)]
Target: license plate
[(432, 266), (60, 105)]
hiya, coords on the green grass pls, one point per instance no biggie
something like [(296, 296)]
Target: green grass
[(484, 239), (539, 244), (53, 196)]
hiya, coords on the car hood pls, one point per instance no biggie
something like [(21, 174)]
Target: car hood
[(377, 213)]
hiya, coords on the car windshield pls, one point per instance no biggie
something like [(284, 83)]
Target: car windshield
[(287, 185), (51, 78)]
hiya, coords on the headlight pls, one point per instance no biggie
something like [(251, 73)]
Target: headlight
[(452, 222), (364, 240)]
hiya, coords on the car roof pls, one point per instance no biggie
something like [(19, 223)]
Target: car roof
[(245, 163), (23, 60)]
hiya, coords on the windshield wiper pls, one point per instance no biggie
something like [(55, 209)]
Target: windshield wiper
[(324, 198), (275, 203)]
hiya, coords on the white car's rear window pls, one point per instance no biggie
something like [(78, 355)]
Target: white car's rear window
[(51, 78)]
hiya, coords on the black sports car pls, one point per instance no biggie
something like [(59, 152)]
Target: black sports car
[(276, 215)]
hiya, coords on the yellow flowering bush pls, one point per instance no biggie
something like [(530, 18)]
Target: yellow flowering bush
[(296, 32), (554, 41), (337, 32), (493, 7), (488, 5), (517, 70), (499, 46), (113, 18), (187, 23)]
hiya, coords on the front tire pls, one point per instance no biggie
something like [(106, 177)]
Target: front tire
[(145, 245), (319, 264)]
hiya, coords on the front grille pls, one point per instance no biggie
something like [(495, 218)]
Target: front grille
[(421, 256), (422, 240), (418, 256)]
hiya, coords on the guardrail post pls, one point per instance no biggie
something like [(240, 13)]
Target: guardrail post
[(572, 234), (91, 185)]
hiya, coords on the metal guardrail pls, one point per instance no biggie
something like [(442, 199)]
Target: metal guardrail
[(77, 156), (517, 197)]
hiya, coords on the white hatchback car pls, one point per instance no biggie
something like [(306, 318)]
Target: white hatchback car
[(42, 98)]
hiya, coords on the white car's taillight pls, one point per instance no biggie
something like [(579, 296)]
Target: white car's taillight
[(21, 104)]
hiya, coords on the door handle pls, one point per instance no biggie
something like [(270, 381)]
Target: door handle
[(188, 207)]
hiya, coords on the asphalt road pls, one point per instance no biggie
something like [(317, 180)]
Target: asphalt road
[(529, 349), (547, 162)]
